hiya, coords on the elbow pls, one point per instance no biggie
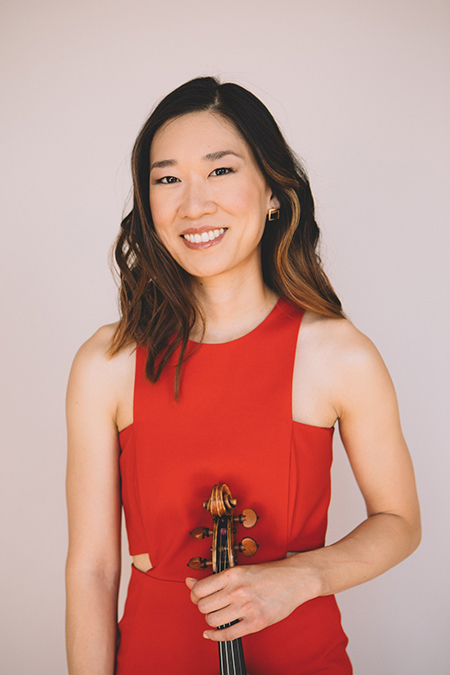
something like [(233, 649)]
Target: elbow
[(415, 527), (412, 534), (405, 533), (416, 535)]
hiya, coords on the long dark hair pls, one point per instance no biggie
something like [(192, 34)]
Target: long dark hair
[(158, 307)]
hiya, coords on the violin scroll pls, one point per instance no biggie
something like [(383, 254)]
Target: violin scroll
[(221, 505)]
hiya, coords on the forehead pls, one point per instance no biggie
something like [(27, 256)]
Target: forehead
[(195, 134)]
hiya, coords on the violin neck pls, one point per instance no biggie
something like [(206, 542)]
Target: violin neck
[(231, 658), (231, 653)]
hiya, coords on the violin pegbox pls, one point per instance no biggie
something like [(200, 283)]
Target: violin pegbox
[(221, 506)]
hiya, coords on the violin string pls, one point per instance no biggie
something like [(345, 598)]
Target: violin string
[(222, 566), (222, 660), (232, 654), (233, 644), (229, 645), (229, 649)]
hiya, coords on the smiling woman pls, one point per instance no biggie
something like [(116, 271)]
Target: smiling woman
[(230, 365)]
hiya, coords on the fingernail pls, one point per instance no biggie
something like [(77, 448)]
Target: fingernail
[(190, 579), (206, 636)]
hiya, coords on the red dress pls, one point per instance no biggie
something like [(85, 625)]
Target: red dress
[(232, 424)]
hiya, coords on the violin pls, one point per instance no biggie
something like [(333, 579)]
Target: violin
[(221, 506)]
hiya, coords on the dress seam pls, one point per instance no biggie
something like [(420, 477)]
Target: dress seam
[(288, 533), (291, 436), (138, 500)]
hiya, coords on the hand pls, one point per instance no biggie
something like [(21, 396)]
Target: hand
[(256, 595)]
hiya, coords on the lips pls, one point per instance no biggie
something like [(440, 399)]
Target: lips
[(203, 237)]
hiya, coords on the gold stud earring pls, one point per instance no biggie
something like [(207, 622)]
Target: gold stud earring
[(273, 214)]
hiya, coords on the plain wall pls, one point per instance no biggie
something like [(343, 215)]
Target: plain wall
[(360, 89)]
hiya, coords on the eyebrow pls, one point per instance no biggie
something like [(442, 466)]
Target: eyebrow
[(210, 157)]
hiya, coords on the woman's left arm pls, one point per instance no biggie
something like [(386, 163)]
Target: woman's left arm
[(369, 423)]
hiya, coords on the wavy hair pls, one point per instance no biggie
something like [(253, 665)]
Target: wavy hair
[(157, 305)]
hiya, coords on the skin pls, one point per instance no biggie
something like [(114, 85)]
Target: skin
[(338, 374)]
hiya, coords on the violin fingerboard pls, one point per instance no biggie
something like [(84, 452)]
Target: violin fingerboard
[(231, 658)]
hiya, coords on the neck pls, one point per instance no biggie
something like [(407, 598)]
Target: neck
[(232, 307)]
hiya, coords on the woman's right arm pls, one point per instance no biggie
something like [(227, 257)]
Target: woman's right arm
[(94, 508)]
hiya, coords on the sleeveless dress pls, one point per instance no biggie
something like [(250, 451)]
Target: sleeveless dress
[(232, 424)]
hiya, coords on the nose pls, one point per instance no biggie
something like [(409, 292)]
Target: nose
[(196, 200)]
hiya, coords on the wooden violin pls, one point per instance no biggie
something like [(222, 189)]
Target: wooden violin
[(221, 506)]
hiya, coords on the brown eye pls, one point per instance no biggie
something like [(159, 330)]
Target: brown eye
[(167, 180), (228, 170)]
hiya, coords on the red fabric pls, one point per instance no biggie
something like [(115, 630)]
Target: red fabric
[(233, 424)]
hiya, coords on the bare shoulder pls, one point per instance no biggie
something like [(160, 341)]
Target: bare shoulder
[(335, 364), (93, 355), (98, 377), (98, 344), (338, 341)]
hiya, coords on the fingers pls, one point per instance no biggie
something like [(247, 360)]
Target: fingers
[(202, 588), (229, 597), (215, 603), (190, 581), (237, 630), (244, 621), (221, 617)]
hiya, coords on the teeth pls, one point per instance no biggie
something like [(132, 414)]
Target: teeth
[(204, 236)]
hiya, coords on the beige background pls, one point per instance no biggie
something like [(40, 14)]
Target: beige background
[(360, 89)]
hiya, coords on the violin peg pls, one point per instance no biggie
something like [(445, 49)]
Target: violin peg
[(201, 532), (248, 518), (248, 547), (199, 563)]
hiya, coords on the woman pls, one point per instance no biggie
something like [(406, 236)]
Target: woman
[(232, 362)]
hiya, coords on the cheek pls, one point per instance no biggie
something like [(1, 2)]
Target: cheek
[(249, 203), (160, 210), (246, 201), (161, 233)]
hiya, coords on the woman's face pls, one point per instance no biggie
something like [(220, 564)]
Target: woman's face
[(208, 198)]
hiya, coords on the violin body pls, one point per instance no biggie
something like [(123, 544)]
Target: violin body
[(221, 506)]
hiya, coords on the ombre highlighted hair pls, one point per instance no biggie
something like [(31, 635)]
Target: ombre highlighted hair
[(157, 305)]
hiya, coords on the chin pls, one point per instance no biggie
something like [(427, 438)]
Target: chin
[(206, 273), (206, 269)]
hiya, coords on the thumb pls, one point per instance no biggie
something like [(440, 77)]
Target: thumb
[(190, 582)]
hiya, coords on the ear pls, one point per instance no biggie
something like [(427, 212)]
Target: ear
[(274, 203)]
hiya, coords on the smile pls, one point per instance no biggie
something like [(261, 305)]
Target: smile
[(205, 239)]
